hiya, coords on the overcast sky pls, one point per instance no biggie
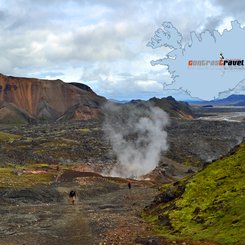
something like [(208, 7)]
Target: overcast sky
[(101, 43)]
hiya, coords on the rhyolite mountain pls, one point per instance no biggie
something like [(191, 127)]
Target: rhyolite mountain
[(28, 99)]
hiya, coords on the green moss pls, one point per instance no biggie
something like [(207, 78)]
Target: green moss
[(150, 218), (165, 187), (84, 130), (212, 205), (189, 162), (8, 178), (57, 143), (40, 165), (8, 137), (56, 148)]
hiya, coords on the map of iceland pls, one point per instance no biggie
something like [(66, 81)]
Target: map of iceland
[(209, 65)]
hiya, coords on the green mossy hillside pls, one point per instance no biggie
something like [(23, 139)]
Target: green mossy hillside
[(208, 206)]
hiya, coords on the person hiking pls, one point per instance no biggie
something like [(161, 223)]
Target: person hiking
[(72, 196), (129, 185)]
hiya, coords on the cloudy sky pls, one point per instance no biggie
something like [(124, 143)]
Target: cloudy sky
[(101, 43)]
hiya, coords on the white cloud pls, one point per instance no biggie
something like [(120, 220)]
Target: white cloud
[(97, 41)]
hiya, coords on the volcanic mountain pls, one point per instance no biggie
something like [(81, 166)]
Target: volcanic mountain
[(174, 108), (28, 99), (177, 109)]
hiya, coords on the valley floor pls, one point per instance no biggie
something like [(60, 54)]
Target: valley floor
[(105, 212)]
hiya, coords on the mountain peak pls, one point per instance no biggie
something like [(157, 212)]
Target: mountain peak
[(46, 99)]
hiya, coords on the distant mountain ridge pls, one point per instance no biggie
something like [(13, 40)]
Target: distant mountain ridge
[(239, 89), (232, 100)]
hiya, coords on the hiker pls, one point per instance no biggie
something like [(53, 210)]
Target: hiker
[(129, 185), (72, 196)]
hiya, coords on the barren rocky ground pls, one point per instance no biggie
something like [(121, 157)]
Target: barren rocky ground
[(40, 164), (105, 211)]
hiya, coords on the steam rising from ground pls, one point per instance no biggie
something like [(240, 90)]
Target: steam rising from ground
[(136, 133)]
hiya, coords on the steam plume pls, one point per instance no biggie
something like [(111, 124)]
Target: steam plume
[(136, 133)]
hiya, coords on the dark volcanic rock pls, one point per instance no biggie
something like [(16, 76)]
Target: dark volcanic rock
[(170, 193), (83, 87), (148, 241), (197, 142), (164, 220), (30, 195)]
